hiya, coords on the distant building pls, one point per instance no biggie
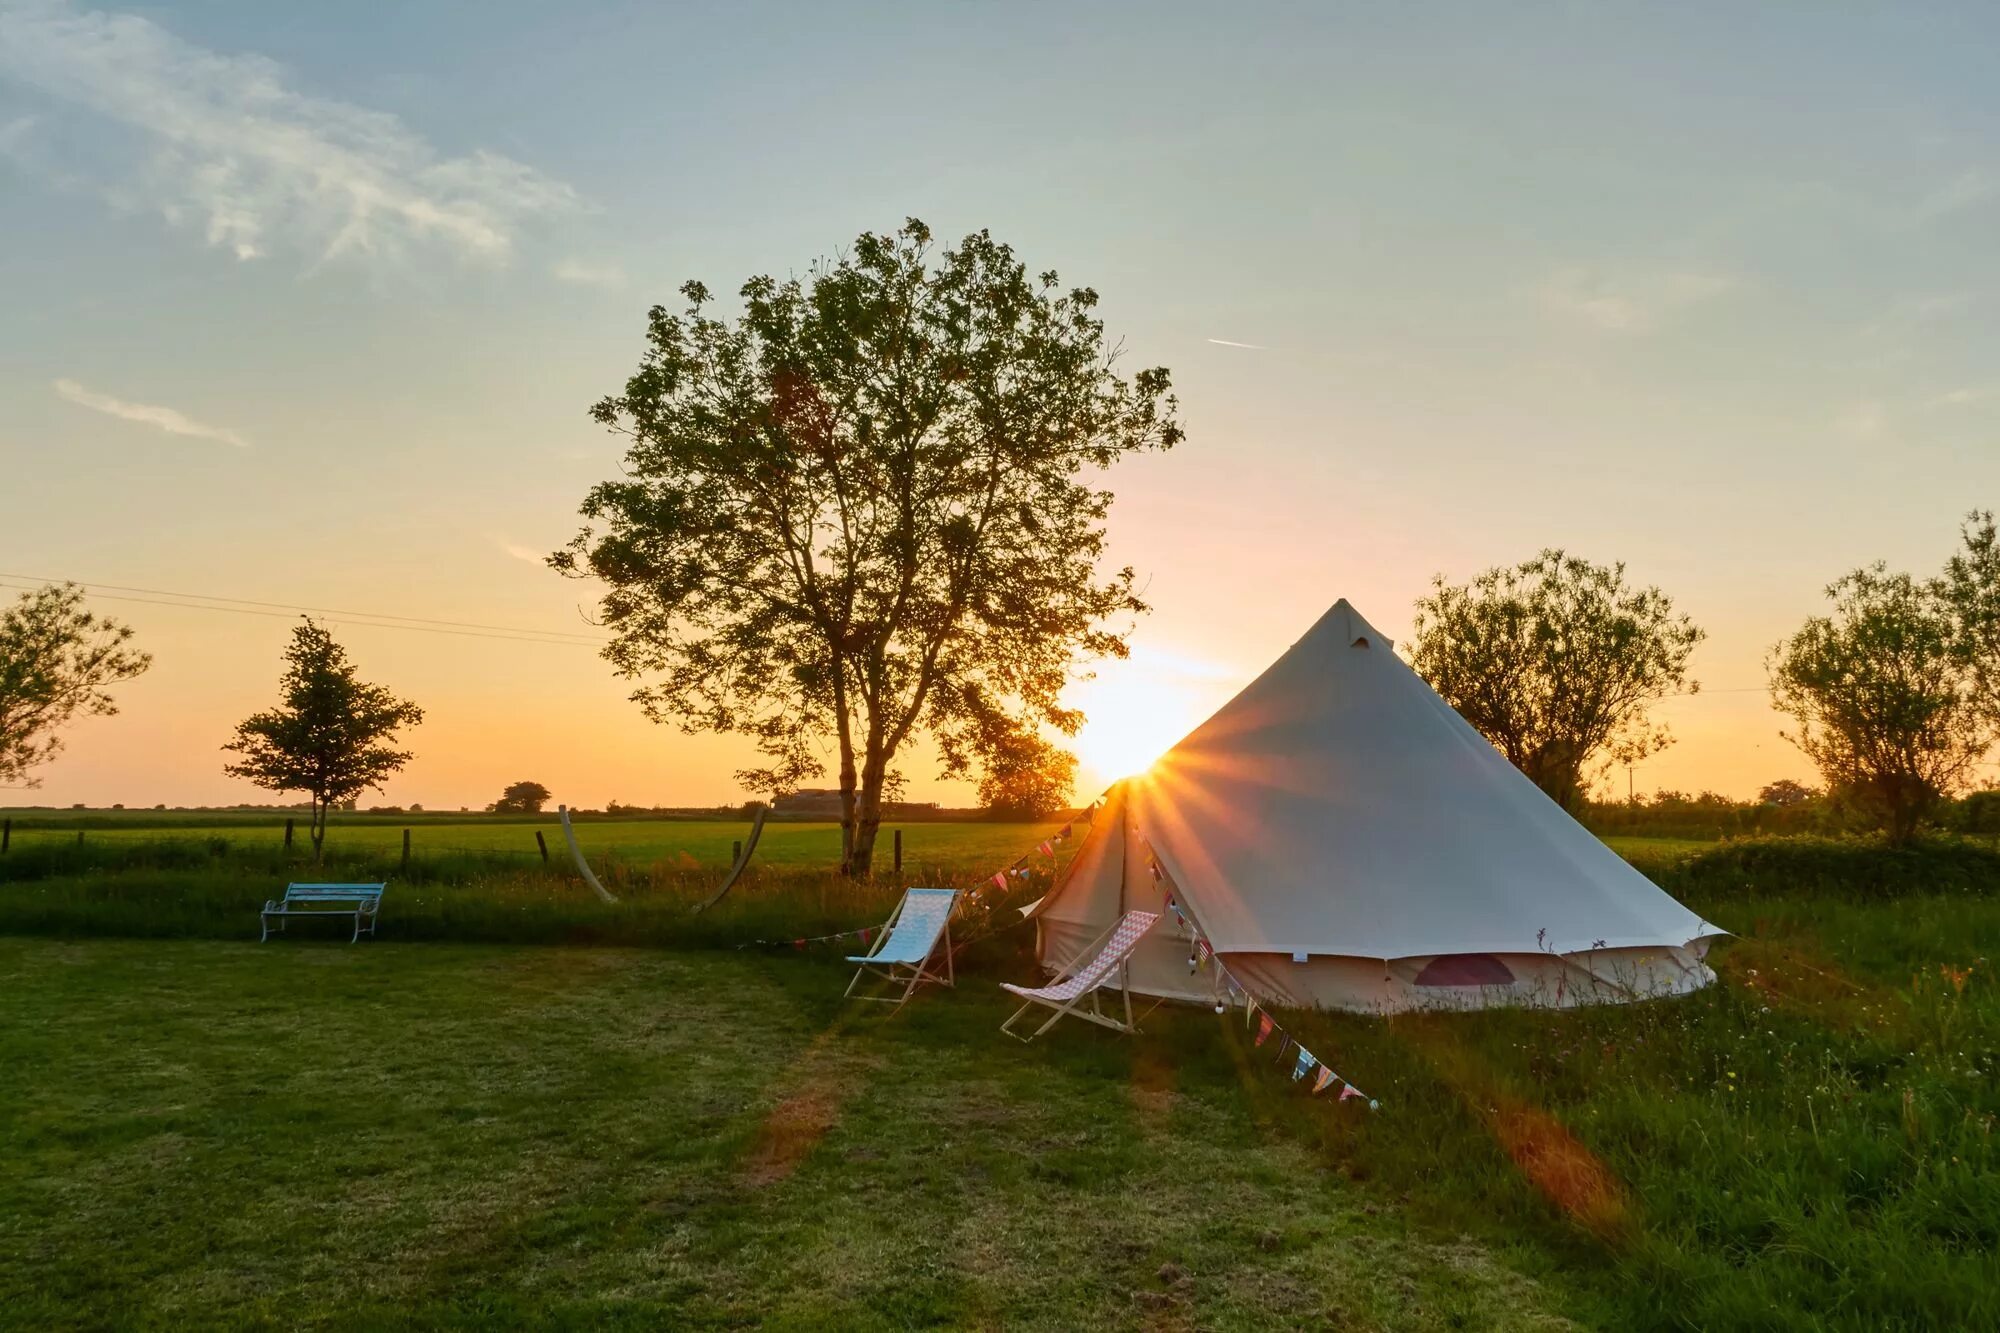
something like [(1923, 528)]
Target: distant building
[(824, 803), (808, 801)]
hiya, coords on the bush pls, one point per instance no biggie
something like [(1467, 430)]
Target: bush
[(1862, 868)]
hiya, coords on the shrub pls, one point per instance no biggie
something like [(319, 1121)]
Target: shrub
[(1865, 868)]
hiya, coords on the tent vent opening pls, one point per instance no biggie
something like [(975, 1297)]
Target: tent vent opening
[(1465, 969), (1361, 642)]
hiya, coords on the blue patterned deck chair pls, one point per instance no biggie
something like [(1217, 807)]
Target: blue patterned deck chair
[(1112, 949), (919, 928)]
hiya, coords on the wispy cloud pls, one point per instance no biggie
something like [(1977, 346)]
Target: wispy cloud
[(1628, 302), (222, 142), (168, 419), (520, 552), (1970, 187), (1963, 397), (1248, 347), (585, 274)]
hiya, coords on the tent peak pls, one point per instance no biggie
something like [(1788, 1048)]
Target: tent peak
[(1347, 625)]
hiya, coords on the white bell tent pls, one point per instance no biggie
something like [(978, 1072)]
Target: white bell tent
[(1343, 839)]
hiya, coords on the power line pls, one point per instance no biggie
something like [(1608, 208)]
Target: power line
[(318, 610), (282, 610)]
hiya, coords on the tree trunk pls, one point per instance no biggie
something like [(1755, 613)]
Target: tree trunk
[(867, 818), (847, 806), (318, 830), (1903, 816)]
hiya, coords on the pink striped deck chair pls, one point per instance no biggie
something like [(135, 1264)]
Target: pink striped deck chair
[(1113, 950)]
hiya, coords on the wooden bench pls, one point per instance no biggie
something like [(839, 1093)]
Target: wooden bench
[(360, 901)]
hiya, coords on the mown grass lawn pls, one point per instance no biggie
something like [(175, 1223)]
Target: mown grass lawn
[(197, 1133)]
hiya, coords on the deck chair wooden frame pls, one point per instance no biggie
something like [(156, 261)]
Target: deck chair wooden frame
[(902, 972), (1057, 995)]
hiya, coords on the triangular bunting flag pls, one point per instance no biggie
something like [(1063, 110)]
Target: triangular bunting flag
[(1349, 1091), (1304, 1065), (1000, 880), (1047, 849), (1263, 1028), (1321, 1079)]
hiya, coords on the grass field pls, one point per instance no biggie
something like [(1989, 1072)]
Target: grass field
[(692, 842), (201, 1131), (399, 1136)]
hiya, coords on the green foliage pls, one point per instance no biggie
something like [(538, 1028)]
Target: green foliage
[(1027, 778), (1972, 586), (521, 798), (1555, 662), (1978, 814), (857, 512), (57, 661), (1885, 697), (1708, 815), (1785, 793), (1856, 868), (331, 735)]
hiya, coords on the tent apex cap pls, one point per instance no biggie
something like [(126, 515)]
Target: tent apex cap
[(1350, 627)]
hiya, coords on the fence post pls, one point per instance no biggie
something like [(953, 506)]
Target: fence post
[(288, 833), (899, 851), (406, 851), (735, 851), (6, 834), (79, 837), (542, 843)]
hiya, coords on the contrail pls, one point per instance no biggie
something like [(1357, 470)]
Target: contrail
[(1250, 347)]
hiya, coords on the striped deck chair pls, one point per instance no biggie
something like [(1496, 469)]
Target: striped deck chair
[(1114, 948), (912, 934)]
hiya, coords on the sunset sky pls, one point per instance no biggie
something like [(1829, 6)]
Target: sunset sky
[(305, 306)]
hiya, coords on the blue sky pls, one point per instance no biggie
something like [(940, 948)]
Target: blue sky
[(306, 304)]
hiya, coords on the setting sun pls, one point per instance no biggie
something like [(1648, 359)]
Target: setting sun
[(1139, 707)]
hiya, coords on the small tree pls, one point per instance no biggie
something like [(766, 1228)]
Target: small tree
[(1885, 697), (1785, 793), (57, 661), (522, 798), (330, 736), (1028, 778), (1555, 662), (1972, 585), (861, 512)]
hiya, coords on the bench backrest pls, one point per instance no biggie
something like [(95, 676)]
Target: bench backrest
[(333, 893)]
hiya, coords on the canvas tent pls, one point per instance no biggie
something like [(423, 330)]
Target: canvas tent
[(1344, 839)]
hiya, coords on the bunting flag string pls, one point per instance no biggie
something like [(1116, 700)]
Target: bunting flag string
[(1202, 953)]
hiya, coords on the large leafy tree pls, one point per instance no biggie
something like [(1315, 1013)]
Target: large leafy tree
[(331, 736), (521, 798), (1885, 697), (57, 662), (1556, 661), (860, 511), (1027, 777)]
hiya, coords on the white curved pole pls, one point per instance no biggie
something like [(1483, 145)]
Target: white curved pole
[(582, 865)]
